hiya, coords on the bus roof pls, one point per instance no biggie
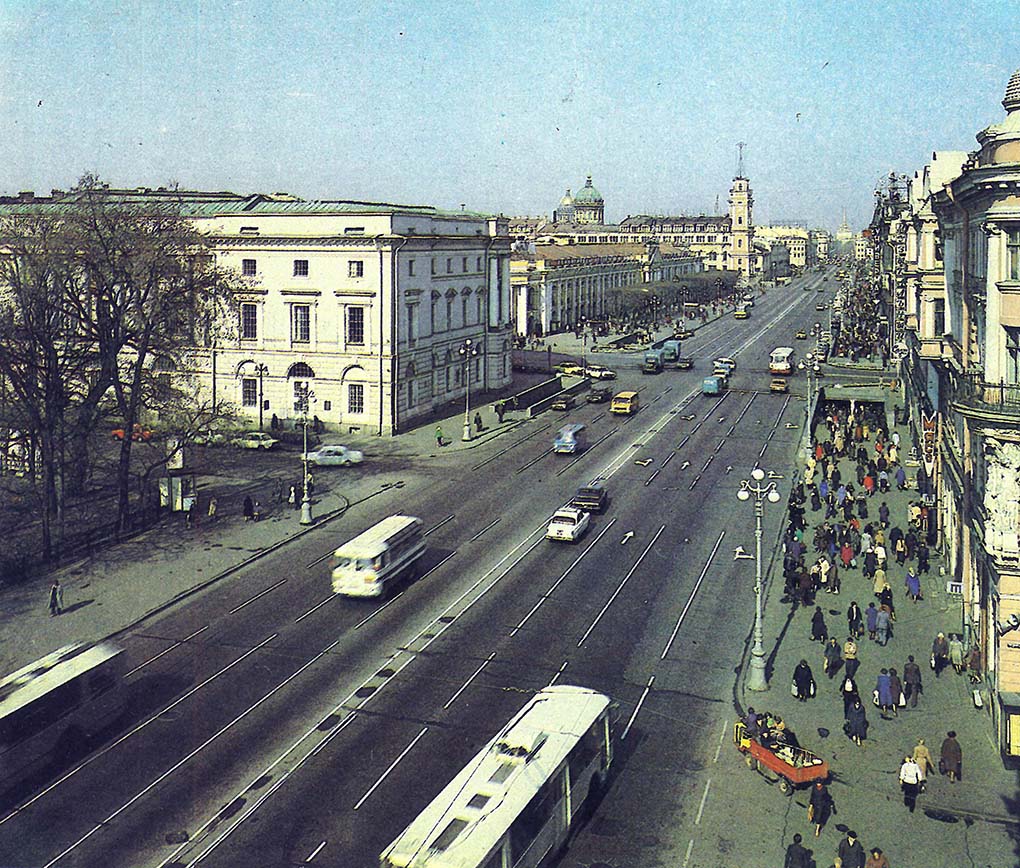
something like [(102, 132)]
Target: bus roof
[(49, 672), (473, 812), (372, 542), (786, 351)]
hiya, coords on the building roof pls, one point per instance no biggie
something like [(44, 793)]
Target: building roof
[(588, 194), (1012, 99), (649, 221)]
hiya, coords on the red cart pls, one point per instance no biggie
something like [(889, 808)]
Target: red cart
[(789, 767)]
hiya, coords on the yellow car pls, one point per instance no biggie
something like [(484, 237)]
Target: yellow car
[(740, 313), (801, 335), (779, 384)]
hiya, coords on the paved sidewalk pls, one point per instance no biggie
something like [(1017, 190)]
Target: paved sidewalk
[(865, 784)]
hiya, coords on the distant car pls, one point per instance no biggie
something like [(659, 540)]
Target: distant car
[(685, 363), (726, 362), (599, 396), (564, 402), (801, 335), (740, 313), (820, 306), (335, 456), (682, 334), (568, 524), (138, 432), (209, 438), (254, 440), (600, 372), (591, 498), (779, 384), (825, 279), (570, 369)]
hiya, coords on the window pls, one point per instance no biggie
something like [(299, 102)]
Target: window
[(355, 398), (355, 268), (1012, 355), (939, 317), (301, 268), (411, 324), (478, 264), (449, 314), (356, 325), (463, 264), (410, 268), (354, 230), (464, 315), (1013, 254), (432, 264), (410, 393), (249, 321), (249, 392), (248, 267), (449, 265), (300, 323)]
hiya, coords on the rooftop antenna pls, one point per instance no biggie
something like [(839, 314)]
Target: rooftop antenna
[(740, 158)]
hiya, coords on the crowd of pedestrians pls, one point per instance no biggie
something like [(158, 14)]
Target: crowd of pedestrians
[(861, 334), (843, 539)]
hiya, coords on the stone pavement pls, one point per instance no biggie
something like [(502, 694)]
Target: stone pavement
[(865, 785)]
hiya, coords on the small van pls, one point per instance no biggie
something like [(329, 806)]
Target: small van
[(713, 385), (571, 439), (386, 552), (625, 403)]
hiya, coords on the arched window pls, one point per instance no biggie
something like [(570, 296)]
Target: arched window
[(301, 371)]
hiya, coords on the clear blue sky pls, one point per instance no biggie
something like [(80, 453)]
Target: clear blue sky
[(501, 105)]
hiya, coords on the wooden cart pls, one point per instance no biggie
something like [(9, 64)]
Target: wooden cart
[(789, 767)]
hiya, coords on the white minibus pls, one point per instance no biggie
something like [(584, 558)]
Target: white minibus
[(385, 552)]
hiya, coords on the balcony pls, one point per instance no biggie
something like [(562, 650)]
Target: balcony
[(989, 401)]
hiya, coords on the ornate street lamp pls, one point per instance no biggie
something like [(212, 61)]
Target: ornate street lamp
[(305, 398), (756, 677), (468, 351)]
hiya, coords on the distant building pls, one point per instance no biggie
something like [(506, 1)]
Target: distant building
[(844, 238), (588, 205), (798, 240), (564, 213), (821, 240)]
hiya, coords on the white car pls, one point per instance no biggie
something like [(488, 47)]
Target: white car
[(725, 362), (568, 524), (335, 456), (599, 372), (254, 440)]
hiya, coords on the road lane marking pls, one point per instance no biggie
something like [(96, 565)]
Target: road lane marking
[(392, 766), (559, 672), (389, 602), (314, 853), (626, 579), (513, 445), (300, 618), (472, 677), (136, 729), (648, 481), (490, 525), (637, 708), (701, 807), (668, 458), (711, 458), (690, 599), (687, 855), (722, 735), (165, 651), (437, 526), (257, 596)]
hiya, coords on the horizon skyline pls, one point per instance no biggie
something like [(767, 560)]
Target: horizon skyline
[(500, 109)]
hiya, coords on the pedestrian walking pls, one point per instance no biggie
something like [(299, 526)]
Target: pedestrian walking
[(440, 439), (910, 782), (974, 664), (833, 657), (939, 654), (248, 508), (850, 851), (56, 598), (896, 689), (848, 689), (189, 512), (883, 693), (850, 655), (956, 653), (951, 757), (913, 583), (819, 632), (857, 723), (797, 856), (820, 806), (872, 619), (877, 859), (292, 497), (925, 763), (478, 423), (211, 512), (256, 510), (803, 681), (883, 626), (911, 681), (854, 620), (922, 559)]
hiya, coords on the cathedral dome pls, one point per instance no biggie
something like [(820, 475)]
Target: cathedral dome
[(567, 200), (588, 193)]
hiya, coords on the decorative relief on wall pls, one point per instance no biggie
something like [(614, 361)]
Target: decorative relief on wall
[(1002, 497)]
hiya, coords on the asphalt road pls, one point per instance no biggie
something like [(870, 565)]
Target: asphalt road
[(270, 717)]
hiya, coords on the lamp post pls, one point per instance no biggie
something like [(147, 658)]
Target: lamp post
[(582, 324), (305, 398), (756, 678), (261, 370), (468, 350)]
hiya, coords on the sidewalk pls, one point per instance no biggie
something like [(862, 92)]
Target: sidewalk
[(125, 583), (865, 785)]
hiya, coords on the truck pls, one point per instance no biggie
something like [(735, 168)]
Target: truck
[(714, 385), (670, 353), (653, 362)]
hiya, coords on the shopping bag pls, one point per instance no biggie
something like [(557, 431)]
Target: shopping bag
[(903, 701), (932, 661), (812, 688), (793, 688), (874, 697)]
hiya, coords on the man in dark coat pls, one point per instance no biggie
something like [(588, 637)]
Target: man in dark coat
[(951, 757), (797, 856), (819, 806), (911, 681), (851, 851)]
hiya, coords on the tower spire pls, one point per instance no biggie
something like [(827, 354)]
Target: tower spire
[(740, 158)]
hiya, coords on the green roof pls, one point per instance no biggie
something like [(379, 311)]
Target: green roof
[(588, 193)]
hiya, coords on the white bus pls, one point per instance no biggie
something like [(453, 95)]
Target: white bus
[(381, 554), (781, 361), (51, 709), (513, 805)]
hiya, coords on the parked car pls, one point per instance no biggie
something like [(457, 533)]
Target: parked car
[(254, 440), (779, 384), (334, 456), (571, 369), (568, 524), (600, 372), (599, 395), (591, 498), (820, 306), (138, 432), (564, 402)]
